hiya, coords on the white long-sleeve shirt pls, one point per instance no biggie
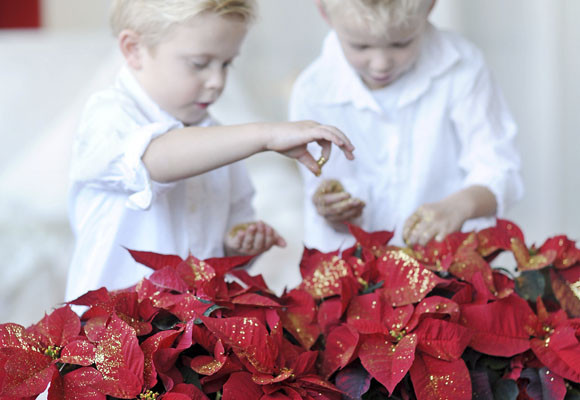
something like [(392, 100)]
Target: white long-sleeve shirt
[(113, 203), (439, 128)]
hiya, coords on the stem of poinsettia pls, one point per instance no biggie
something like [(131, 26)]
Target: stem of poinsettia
[(218, 395)]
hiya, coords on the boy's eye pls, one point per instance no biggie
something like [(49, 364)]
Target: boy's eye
[(402, 45), (359, 47), (199, 65)]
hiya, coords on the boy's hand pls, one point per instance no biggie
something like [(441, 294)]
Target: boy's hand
[(335, 204), (434, 220), (291, 138), (437, 220), (252, 238)]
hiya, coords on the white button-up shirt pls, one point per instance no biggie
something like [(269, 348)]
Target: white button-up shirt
[(439, 128), (114, 205)]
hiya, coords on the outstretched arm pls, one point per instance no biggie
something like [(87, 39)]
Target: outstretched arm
[(191, 151), (437, 220)]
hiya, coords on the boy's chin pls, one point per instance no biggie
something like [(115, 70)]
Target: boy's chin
[(376, 84), (192, 118)]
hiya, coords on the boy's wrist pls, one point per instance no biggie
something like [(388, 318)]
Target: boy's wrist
[(475, 202), (259, 132)]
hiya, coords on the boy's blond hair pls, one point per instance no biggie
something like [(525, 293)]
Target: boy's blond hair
[(154, 19), (378, 14)]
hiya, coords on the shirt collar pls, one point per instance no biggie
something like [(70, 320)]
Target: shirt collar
[(127, 82), (345, 85)]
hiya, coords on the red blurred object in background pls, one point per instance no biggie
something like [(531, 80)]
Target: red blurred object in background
[(19, 14)]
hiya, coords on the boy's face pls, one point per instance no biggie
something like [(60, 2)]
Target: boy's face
[(186, 72), (379, 59)]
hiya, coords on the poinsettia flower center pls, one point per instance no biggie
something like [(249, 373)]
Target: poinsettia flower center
[(53, 352), (548, 329), (148, 395), (398, 335), (364, 283), (287, 371)]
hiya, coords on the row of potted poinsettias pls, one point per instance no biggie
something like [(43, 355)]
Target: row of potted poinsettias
[(373, 322)]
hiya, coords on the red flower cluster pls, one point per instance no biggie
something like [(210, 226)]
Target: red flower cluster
[(428, 322), (423, 322)]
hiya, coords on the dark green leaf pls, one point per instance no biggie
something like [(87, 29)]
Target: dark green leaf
[(208, 312), (494, 363), (190, 376), (165, 321), (572, 393), (505, 389), (530, 285)]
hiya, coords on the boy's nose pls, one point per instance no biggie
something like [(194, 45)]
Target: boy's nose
[(382, 62), (216, 79)]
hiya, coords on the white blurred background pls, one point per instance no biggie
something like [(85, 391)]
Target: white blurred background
[(46, 76)]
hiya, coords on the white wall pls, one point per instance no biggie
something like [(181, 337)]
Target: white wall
[(58, 15)]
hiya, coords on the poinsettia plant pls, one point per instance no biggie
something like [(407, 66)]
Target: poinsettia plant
[(374, 321)]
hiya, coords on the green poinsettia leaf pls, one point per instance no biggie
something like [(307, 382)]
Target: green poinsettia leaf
[(505, 389), (190, 376), (210, 310), (165, 321), (494, 363), (530, 285), (573, 394)]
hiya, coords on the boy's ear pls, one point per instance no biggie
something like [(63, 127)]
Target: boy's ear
[(131, 47), (322, 10)]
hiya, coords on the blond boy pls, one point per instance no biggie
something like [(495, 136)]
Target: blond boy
[(151, 170), (434, 138)]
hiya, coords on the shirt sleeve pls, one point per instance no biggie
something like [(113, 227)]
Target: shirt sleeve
[(487, 133), (112, 138), (242, 195)]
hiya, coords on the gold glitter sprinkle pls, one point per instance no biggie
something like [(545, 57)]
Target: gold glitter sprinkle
[(325, 281)]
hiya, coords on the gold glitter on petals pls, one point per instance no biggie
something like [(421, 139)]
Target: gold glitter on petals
[(325, 281)]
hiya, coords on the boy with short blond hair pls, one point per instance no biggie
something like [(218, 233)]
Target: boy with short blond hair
[(151, 170), (435, 140)]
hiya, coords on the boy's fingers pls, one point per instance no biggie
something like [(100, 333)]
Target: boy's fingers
[(327, 200), (421, 233), (236, 241), (409, 225), (427, 235), (280, 241), (309, 162), (325, 150), (248, 240), (259, 240), (343, 206), (341, 140), (346, 216)]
